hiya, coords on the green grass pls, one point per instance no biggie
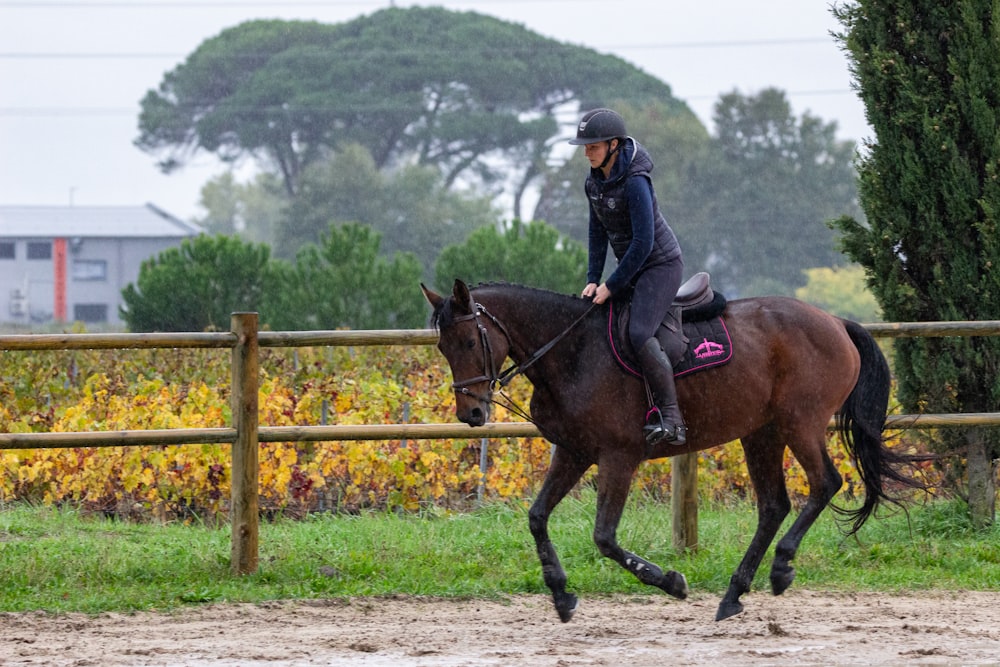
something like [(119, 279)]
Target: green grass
[(58, 560)]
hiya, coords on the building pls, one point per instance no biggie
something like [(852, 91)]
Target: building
[(70, 263)]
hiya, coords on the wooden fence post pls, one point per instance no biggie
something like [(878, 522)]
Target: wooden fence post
[(981, 475), (684, 500), (245, 519)]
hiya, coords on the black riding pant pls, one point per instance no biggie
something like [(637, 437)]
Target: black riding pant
[(654, 290)]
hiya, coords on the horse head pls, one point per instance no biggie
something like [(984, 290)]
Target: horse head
[(475, 346)]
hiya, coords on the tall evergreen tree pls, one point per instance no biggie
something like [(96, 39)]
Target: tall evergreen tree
[(927, 72)]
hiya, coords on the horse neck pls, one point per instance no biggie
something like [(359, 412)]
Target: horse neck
[(533, 317)]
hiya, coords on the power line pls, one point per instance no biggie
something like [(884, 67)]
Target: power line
[(54, 112), (97, 112), (243, 4), (87, 56), (739, 43)]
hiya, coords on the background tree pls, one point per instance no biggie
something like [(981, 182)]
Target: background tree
[(252, 210), (344, 282), (754, 212), (748, 204), (410, 207), (930, 186), (197, 285), (678, 143), (529, 254), (841, 291), (473, 95)]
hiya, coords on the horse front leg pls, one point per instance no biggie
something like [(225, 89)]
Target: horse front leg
[(563, 474), (613, 481)]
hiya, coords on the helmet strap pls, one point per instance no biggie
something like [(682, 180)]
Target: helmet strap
[(611, 151)]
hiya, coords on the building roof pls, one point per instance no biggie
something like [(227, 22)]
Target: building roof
[(93, 222)]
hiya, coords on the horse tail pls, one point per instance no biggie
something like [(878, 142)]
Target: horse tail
[(861, 422)]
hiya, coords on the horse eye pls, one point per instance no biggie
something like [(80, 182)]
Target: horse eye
[(470, 344)]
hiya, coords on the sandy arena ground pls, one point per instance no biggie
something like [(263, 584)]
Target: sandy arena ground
[(799, 628)]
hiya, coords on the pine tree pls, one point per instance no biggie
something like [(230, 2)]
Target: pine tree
[(929, 183)]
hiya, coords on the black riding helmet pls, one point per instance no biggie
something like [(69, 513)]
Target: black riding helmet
[(599, 125)]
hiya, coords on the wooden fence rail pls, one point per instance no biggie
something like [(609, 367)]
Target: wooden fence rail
[(244, 341), (188, 436)]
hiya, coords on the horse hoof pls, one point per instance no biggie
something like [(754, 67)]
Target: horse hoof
[(566, 605), (727, 609), (781, 580), (675, 583)]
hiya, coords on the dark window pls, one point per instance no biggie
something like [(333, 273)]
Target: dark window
[(90, 312), (39, 250), (6, 250)]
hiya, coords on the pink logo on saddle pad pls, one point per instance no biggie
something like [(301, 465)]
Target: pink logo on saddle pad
[(708, 349)]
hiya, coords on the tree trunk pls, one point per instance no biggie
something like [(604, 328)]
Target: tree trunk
[(982, 480)]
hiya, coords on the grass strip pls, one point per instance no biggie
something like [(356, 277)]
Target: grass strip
[(59, 560)]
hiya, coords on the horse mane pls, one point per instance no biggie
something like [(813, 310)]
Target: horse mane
[(442, 317), (548, 293)]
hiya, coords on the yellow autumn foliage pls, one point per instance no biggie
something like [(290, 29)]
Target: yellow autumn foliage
[(167, 389)]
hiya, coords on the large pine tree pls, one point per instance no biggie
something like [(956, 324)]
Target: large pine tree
[(929, 75)]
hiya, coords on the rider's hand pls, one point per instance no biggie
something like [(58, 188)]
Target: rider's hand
[(600, 293)]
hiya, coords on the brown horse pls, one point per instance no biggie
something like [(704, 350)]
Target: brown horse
[(793, 368)]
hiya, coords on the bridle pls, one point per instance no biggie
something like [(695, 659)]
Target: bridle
[(498, 381), (489, 374)]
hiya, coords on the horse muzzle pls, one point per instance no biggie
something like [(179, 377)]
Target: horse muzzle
[(472, 408), (476, 416)]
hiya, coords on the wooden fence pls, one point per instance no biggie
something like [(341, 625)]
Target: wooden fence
[(244, 341)]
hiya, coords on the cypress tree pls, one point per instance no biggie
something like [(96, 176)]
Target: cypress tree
[(928, 73)]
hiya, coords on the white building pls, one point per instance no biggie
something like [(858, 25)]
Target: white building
[(70, 263)]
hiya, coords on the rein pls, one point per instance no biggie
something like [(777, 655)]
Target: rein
[(498, 381)]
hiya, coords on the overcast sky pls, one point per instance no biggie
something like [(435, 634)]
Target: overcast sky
[(72, 74)]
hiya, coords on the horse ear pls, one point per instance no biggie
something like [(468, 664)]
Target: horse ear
[(463, 298), (433, 298)]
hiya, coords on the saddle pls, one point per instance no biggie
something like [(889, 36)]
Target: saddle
[(693, 334)]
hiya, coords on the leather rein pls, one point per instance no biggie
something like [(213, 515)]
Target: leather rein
[(498, 381)]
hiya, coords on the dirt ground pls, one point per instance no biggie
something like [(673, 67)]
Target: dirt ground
[(799, 628)]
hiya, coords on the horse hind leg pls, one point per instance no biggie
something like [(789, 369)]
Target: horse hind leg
[(824, 483), (764, 453), (613, 481)]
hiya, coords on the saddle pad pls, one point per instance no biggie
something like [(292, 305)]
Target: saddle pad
[(709, 345)]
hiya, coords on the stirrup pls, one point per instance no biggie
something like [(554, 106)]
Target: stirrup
[(658, 431)]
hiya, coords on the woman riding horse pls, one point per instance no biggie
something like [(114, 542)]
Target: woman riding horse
[(624, 214), (792, 369)]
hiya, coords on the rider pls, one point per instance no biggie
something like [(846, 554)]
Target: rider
[(624, 214)]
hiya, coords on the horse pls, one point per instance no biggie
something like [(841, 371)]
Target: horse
[(794, 367)]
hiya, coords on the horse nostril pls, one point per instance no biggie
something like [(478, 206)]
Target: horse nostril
[(477, 418)]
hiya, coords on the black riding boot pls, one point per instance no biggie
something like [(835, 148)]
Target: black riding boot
[(664, 422)]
